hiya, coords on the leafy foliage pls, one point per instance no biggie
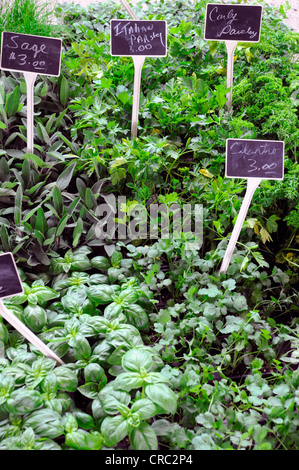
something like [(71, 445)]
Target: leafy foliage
[(159, 350)]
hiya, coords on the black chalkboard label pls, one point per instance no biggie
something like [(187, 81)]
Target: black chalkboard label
[(10, 283), (142, 37), (28, 53), (226, 22), (254, 159)]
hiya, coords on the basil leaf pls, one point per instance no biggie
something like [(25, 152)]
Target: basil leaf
[(114, 429), (43, 293), (128, 295), (84, 420), (83, 440), (96, 279), (89, 390), (128, 381), (95, 373), (135, 359), (113, 311), (145, 408), (66, 379), (137, 316), (102, 294), (45, 423), (100, 262), (143, 438), (24, 401), (35, 317), (163, 396), (81, 347), (111, 399)]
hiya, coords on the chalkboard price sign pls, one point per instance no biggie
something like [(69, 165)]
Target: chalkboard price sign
[(254, 159), (138, 38), (28, 53), (226, 22), (10, 283)]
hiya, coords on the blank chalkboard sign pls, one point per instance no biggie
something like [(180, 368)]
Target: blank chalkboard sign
[(10, 283), (28, 53), (138, 37), (254, 159), (226, 22)]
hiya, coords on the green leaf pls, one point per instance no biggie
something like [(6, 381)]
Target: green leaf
[(66, 378), (137, 316), (4, 238), (83, 419), (65, 177), (106, 82), (89, 390), (24, 401), (100, 262), (136, 359), (114, 429), (145, 408), (128, 381), (28, 439), (42, 134), (111, 399), (57, 200), (42, 293), (60, 118), (46, 423), (61, 225), (78, 230), (162, 396), (211, 291), (13, 102), (41, 222), (117, 174), (81, 347), (18, 205), (83, 440), (143, 438), (282, 390), (4, 335), (95, 373), (102, 294), (35, 317), (35, 159), (64, 90)]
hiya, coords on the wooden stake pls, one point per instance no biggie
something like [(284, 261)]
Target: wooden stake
[(129, 9), (252, 184), (30, 78), (138, 64), (31, 337), (230, 47)]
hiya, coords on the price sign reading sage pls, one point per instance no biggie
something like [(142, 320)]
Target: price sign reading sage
[(226, 22), (138, 37), (29, 53), (254, 159), (10, 283)]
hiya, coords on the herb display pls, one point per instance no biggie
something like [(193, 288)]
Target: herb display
[(160, 351)]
